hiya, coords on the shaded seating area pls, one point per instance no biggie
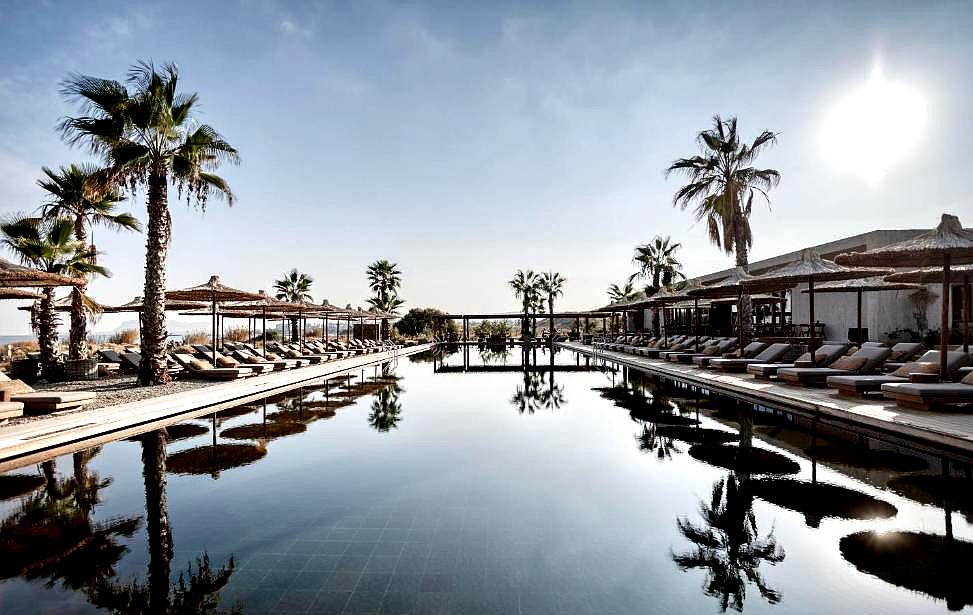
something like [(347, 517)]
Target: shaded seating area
[(933, 395), (865, 360)]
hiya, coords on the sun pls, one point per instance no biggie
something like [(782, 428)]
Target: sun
[(876, 126)]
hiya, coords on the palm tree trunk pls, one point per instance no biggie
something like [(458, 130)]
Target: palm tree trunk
[(742, 260), (550, 308), (157, 519), (158, 233), (294, 327), (79, 323), (47, 332)]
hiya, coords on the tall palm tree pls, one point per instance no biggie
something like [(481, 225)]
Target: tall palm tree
[(70, 195), (49, 244), (296, 288), (525, 287), (552, 286), (147, 136), (385, 279), (722, 185), (657, 261)]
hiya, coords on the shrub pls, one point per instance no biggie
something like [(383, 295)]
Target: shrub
[(236, 334), (196, 337), (424, 321), (124, 337)]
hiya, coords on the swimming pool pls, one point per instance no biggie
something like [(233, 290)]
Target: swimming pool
[(489, 481)]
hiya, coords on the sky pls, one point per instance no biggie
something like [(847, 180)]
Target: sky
[(464, 141)]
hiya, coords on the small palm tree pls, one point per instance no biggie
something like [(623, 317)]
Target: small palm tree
[(525, 285), (72, 196), (296, 288), (551, 286), (657, 261), (147, 136), (722, 185), (623, 292), (49, 245)]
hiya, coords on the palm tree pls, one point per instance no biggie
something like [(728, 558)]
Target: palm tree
[(552, 285), (525, 285), (386, 409), (49, 245), (722, 185), (657, 261), (385, 279), (296, 288), (623, 292), (70, 196), (147, 136), (728, 546)]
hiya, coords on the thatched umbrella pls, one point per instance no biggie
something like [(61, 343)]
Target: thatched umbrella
[(729, 286), (860, 286), (948, 244), (137, 305), (213, 291), (260, 307), (14, 275), (676, 294), (809, 269), (16, 293), (959, 274)]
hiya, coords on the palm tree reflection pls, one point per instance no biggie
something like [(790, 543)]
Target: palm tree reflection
[(386, 409), (650, 440), (727, 544)]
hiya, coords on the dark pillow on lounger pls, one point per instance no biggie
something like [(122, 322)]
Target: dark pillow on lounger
[(918, 367), (732, 355), (710, 351), (898, 355), (199, 364), (852, 364)]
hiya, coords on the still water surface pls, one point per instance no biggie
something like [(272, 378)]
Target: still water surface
[(447, 483)]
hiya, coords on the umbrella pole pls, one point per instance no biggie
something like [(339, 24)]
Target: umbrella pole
[(696, 321), (214, 330), (325, 328), (264, 329), (966, 313), (944, 325), (740, 317), (810, 294), (858, 335)]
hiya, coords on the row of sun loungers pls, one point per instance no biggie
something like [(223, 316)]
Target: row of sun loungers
[(905, 372)]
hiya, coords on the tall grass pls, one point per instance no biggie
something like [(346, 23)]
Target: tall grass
[(196, 337), (125, 337)]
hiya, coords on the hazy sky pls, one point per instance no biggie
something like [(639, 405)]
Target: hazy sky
[(466, 140)]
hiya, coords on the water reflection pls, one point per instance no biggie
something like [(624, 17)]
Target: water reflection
[(819, 500), (385, 412), (652, 440), (53, 536)]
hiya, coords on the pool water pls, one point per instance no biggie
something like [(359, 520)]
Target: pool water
[(489, 481)]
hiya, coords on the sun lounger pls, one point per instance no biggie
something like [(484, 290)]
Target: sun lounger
[(823, 357), (11, 410), (862, 386), (245, 357), (771, 354), (224, 361), (702, 359), (865, 361), (927, 396), (109, 356), (43, 402), (663, 346), (902, 353), (289, 352), (687, 346), (716, 347), (202, 369)]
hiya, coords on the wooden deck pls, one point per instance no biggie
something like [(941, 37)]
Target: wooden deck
[(28, 443), (935, 432)]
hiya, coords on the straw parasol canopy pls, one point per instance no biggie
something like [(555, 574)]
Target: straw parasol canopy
[(14, 275), (263, 307), (213, 291), (138, 305), (729, 286), (809, 269), (17, 293), (947, 244), (859, 286), (758, 299), (960, 274)]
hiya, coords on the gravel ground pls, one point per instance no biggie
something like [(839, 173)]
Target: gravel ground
[(112, 391)]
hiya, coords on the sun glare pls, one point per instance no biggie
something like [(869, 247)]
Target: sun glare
[(874, 127)]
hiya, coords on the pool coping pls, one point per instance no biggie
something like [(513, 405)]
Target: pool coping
[(35, 441), (934, 432)]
